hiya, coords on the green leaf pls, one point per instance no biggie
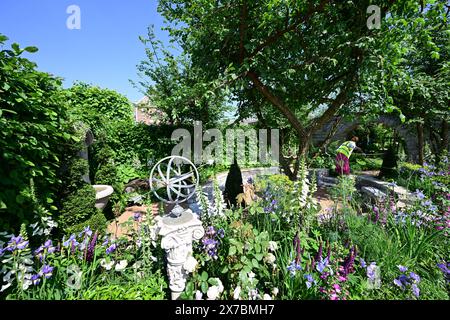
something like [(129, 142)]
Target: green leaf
[(204, 276), (204, 287), (232, 251), (3, 38), (16, 48), (31, 49)]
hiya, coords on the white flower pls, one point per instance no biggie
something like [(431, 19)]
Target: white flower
[(213, 292), (267, 297), (273, 246), (190, 264), (106, 265), (253, 294), (121, 265), (270, 258), (275, 291), (219, 284), (251, 276), (198, 295), (236, 293)]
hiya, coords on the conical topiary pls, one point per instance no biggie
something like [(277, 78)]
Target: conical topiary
[(233, 185)]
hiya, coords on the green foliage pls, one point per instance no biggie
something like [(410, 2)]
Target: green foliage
[(149, 289), (78, 207), (96, 222), (34, 134)]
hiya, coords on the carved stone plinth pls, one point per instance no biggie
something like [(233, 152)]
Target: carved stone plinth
[(177, 235)]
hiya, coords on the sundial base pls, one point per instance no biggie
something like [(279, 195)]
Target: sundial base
[(177, 233)]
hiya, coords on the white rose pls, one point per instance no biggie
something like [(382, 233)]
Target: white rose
[(213, 292), (198, 295), (236, 293), (275, 291), (121, 265), (267, 297), (270, 258), (190, 264), (273, 246), (219, 285)]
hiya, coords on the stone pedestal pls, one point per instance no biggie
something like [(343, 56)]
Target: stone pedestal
[(177, 235)]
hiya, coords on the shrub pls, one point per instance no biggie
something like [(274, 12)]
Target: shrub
[(97, 223), (34, 136), (78, 207)]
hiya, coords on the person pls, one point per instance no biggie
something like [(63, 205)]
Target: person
[(343, 155)]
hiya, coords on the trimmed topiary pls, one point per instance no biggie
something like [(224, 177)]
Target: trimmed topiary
[(233, 185), (78, 207)]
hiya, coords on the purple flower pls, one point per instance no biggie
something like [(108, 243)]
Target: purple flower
[(398, 283), (210, 231), (35, 279), (46, 271), (362, 262), (293, 268), (221, 233), (402, 268), (105, 241), (111, 248), (91, 248), (371, 271), (321, 265), (72, 241), (415, 277), (420, 195), (16, 243), (309, 280), (137, 216), (319, 252), (415, 290), (87, 231)]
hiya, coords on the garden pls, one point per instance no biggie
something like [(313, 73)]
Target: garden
[(292, 229)]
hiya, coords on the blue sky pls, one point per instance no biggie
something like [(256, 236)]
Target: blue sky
[(104, 52)]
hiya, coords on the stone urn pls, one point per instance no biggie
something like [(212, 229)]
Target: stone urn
[(102, 195)]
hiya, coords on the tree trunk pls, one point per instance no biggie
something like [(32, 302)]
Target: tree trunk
[(420, 142)]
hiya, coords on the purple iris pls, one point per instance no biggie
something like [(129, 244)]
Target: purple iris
[(35, 279), (72, 241), (111, 248), (414, 276), (362, 262), (309, 280), (16, 243), (415, 290), (221, 233), (137, 216), (321, 265), (402, 268), (87, 231), (46, 271), (420, 195)]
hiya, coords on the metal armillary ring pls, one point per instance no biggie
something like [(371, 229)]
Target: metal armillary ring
[(178, 177)]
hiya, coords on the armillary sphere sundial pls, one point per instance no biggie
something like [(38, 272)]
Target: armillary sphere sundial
[(173, 180)]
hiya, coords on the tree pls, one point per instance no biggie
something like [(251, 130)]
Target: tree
[(304, 58), (175, 87)]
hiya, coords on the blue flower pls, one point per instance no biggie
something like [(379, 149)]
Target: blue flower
[(221, 233), (293, 268), (72, 241), (309, 280)]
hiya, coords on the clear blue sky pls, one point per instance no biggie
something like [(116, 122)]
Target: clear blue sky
[(104, 52)]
